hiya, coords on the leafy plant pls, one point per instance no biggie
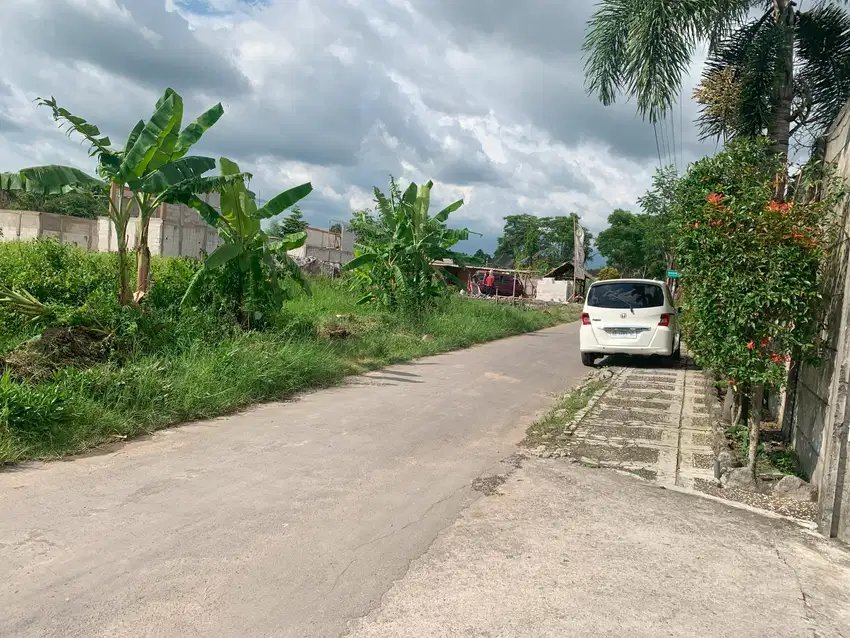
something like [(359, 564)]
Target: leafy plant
[(607, 272), (289, 225), (397, 248), (545, 241), (152, 166), (750, 264), (30, 411), (256, 264)]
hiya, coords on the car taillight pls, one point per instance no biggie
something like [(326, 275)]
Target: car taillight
[(665, 320), (585, 319)]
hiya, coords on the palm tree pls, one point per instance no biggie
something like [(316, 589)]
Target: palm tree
[(790, 69)]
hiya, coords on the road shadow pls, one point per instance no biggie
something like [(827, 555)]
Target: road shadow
[(648, 363)]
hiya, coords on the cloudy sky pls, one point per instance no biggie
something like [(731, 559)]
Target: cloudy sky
[(485, 97)]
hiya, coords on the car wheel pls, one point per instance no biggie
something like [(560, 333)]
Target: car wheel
[(588, 359), (677, 354)]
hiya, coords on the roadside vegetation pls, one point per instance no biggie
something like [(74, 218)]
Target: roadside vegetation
[(546, 430), (84, 360), (88, 371)]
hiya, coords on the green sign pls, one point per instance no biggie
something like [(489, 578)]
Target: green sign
[(673, 274)]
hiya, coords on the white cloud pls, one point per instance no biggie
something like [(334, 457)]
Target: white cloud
[(342, 93)]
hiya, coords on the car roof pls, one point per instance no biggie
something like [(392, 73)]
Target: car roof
[(628, 281)]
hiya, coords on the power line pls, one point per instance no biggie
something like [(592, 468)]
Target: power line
[(673, 140), (664, 146), (681, 130), (657, 147)]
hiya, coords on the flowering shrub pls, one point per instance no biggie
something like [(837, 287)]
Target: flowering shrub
[(750, 262)]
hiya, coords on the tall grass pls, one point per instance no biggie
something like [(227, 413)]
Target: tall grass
[(195, 365)]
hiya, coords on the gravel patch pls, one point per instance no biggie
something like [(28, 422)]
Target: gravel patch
[(634, 415), (703, 461), (608, 454), (624, 432), (797, 509), (701, 438), (629, 403)]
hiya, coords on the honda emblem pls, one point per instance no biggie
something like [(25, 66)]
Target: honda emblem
[(622, 315)]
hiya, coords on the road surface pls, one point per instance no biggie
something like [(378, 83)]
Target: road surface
[(287, 520)]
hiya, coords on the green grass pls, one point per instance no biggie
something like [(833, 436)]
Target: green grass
[(175, 368), (780, 457), (545, 430)]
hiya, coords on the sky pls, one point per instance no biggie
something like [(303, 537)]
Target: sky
[(484, 97)]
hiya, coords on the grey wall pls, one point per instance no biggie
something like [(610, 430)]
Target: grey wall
[(820, 417)]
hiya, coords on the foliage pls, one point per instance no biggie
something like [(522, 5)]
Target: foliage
[(89, 203), (750, 264), (627, 244), (719, 96), (608, 272), (191, 365), (260, 269), (28, 411), (291, 224), (152, 166), (643, 48), (336, 228), (397, 247), (643, 244), (480, 257), (658, 203), (545, 241)]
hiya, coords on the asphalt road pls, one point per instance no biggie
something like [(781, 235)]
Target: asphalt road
[(288, 520)]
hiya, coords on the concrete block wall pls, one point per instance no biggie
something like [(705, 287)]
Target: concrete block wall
[(551, 289), (24, 225), (821, 412)]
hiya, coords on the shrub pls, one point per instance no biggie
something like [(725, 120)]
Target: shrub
[(607, 272), (30, 412)]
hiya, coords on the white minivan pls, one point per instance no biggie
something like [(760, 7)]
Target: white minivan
[(629, 316)]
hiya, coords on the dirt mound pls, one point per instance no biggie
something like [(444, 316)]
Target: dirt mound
[(57, 348)]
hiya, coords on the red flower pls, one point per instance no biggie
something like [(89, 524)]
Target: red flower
[(732, 381), (751, 345), (776, 358), (765, 341), (715, 199)]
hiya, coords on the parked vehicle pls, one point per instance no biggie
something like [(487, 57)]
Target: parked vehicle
[(629, 316), (505, 285)]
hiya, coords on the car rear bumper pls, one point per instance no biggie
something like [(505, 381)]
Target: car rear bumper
[(663, 343)]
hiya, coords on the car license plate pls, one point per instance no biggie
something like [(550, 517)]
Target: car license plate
[(622, 332)]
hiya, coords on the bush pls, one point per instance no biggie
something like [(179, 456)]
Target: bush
[(162, 364), (607, 272), (750, 264), (30, 412)]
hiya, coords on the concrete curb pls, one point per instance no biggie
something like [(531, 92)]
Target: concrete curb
[(570, 428)]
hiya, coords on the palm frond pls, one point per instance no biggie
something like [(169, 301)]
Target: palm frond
[(643, 48), (750, 54), (823, 47)]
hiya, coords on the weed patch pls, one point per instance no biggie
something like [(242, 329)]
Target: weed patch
[(546, 430)]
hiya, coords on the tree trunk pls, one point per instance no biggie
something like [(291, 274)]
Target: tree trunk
[(728, 412), (143, 259), (124, 296), (755, 425), (780, 131)]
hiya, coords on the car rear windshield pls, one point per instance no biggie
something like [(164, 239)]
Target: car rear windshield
[(624, 294)]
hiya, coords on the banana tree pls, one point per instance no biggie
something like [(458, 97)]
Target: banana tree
[(394, 259), (254, 259), (152, 166)]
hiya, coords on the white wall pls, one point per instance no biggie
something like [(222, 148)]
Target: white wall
[(551, 289)]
